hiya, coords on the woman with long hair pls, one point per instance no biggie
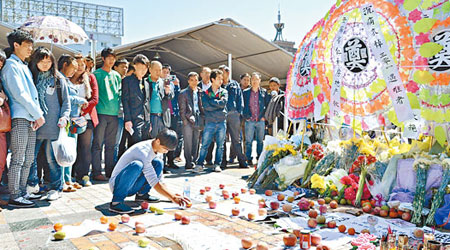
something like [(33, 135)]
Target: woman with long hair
[(3, 144), (54, 101), (86, 84)]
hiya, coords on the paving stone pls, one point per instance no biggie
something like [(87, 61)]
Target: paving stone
[(29, 224)]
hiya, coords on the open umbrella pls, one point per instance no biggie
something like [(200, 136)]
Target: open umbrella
[(54, 29)]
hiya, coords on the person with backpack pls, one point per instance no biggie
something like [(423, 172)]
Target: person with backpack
[(54, 101)]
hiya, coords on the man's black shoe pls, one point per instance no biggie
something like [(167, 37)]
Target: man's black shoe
[(146, 197), (120, 208)]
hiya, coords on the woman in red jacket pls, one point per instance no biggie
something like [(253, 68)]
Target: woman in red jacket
[(82, 164)]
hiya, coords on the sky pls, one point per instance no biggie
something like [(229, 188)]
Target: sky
[(145, 19)]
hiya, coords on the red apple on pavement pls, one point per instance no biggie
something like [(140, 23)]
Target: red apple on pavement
[(287, 208), (280, 197), (321, 201), (367, 209), (235, 211), (290, 240), (406, 216), (212, 204), (268, 193), (185, 220), (140, 228), (125, 218), (262, 246), (316, 239), (333, 204), (144, 205), (261, 204), (202, 191), (312, 223), (323, 209), (178, 216), (251, 216), (237, 199), (252, 191), (208, 198), (296, 193), (313, 213), (247, 243), (274, 205), (331, 224), (235, 194), (207, 188), (221, 186), (226, 196), (262, 212), (243, 190), (384, 213)]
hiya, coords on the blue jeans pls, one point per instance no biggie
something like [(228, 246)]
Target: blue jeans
[(118, 138), (56, 171), (131, 180), (252, 128), (212, 130)]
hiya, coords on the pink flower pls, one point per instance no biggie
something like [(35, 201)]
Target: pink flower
[(412, 87), (415, 15), (346, 180), (367, 246), (422, 38), (321, 98), (399, 2), (370, 237), (354, 177), (421, 62), (359, 241), (350, 194)]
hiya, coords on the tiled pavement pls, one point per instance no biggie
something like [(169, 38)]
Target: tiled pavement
[(32, 228)]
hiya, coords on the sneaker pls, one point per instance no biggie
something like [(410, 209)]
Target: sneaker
[(100, 177), (198, 168), (146, 197), (21, 202), (53, 195), (217, 168), (33, 189), (85, 181), (29, 196), (120, 208)]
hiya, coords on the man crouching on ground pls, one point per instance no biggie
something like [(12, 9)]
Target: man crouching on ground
[(139, 169)]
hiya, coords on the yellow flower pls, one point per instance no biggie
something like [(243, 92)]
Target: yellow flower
[(317, 181), (272, 147)]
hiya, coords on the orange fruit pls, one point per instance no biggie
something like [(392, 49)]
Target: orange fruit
[(342, 228), (103, 220), (189, 205), (57, 227), (351, 231), (112, 226)]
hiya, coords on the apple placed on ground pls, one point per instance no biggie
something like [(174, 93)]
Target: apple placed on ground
[(235, 194), (316, 239), (137, 222), (189, 205), (367, 209), (262, 246), (290, 199), (287, 208), (112, 226), (143, 242), (144, 205), (312, 223), (125, 218), (327, 200), (159, 211), (406, 216), (268, 193), (237, 199), (57, 227), (262, 212), (343, 201), (59, 235), (321, 219), (377, 210), (323, 209), (290, 240), (418, 233), (297, 232), (351, 231), (274, 205), (221, 186), (365, 231), (252, 191), (321, 201), (202, 191), (235, 211), (185, 220), (384, 213), (331, 224), (207, 188), (208, 198), (140, 228), (313, 213), (212, 204), (280, 197), (226, 196), (261, 204), (342, 228), (251, 216), (304, 204), (393, 214), (333, 204), (243, 190), (386, 208), (178, 215), (311, 203), (247, 243)]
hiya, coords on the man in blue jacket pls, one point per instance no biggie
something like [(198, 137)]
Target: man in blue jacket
[(26, 115), (256, 100), (214, 101)]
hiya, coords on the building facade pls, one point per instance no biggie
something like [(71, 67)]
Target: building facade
[(104, 24)]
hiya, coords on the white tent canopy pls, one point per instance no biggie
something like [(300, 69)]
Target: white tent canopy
[(209, 45)]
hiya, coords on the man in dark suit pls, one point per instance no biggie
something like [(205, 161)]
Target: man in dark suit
[(135, 101), (191, 110)]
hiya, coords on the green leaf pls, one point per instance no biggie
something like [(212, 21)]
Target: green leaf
[(446, 7), (338, 2), (439, 134), (393, 117), (424, 25), (426, 4), (444, 99), (313, 73), (434, 100), (447, 116), (438, 116), (325, 108), (410, 5), (317, 90), (430, 49), (413, 101), (436, 12), (378, 86), (343, 93), (422, 77)]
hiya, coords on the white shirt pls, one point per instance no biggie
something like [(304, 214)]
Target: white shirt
[(142, 151), (206, 87)]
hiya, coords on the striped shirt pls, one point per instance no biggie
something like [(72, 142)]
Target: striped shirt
[(142, 151)]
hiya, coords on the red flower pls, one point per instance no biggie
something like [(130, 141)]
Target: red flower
[(412, 87), (350, 194), (361, 159), (346, 180), (355, 185), (354, 178), (422, 38), (371, 182), (366, 193), (415, 15)]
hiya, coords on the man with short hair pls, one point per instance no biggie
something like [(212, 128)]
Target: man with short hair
[(191, 111), (235, 106), (214, 101), (26, 116), (139, 170), (256, 100), (205, 84), (121, 66), (245, 81), (109, 92), (274, 85)]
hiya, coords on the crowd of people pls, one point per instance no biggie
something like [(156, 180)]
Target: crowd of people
[(131, 111)]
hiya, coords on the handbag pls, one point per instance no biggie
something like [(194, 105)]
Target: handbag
[(78, 125), (5, 118)]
